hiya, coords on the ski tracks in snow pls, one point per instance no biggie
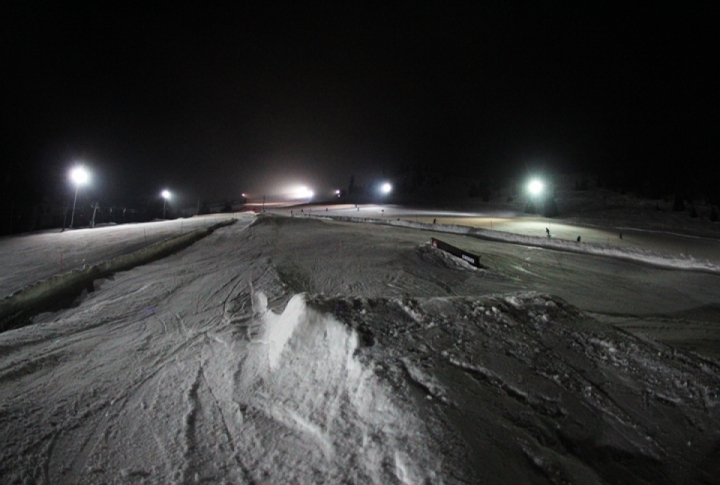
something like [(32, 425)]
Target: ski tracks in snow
[(206, 367)]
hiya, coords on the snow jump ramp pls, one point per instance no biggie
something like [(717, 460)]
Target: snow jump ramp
[(61, 289)]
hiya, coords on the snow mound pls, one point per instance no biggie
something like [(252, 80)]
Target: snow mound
[(520, 388), (319, 412)]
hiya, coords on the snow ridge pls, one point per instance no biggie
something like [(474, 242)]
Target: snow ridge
[(527, 374), (331, 413)]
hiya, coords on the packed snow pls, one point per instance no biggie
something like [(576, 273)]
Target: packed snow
[(298, 350), (664, 260), (28, 258)]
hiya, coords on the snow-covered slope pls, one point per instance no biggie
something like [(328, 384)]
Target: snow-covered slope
[(28, 258), (306, 351), (663, 260)]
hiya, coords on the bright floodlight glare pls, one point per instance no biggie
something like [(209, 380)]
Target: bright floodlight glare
[(165, 194), (304, 193), (535, 187), (79, 175), (386, 188)]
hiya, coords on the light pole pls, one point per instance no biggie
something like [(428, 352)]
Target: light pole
[(165, 195), (95, 207), (78, 175)]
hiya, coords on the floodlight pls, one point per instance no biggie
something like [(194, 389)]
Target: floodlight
[(535, 187), (386, 188), (304, 193), (165, 195), (80, 176)]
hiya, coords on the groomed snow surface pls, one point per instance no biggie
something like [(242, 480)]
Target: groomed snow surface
[(28, 258), (663, 260), (296, 350)]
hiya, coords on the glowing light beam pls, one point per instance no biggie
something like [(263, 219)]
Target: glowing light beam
[(535, 187)]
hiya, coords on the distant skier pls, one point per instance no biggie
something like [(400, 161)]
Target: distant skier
[(578, 239), (434, 221), (547, 231), (621, 235)]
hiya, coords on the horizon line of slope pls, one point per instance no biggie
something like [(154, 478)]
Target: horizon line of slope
[(651, 258), (43, 292)]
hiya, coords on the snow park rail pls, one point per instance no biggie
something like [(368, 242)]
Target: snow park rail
[(455, 251), (17, 308)]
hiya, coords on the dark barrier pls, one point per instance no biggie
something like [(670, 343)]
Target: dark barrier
[(470, 258)]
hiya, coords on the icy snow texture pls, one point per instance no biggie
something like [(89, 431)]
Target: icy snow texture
[(305, 351)]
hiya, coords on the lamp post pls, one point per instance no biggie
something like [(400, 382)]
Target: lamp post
[(165, 195), (79, 176)]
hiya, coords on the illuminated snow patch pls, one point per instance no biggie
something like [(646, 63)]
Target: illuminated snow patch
[(328, 411)]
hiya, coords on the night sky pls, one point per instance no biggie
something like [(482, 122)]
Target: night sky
[(212, 102)]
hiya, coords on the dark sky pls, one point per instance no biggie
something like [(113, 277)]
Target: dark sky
[(216, 101)]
